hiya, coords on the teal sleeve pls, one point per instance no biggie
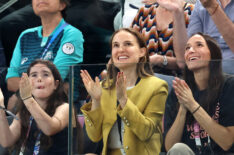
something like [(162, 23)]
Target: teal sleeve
[(67, 57), (15, 61)]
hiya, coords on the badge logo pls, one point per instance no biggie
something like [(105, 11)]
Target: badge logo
[(23, 60), (68, 48)]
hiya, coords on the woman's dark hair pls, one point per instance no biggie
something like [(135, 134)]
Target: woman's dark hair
[(144, 68), (216, 79), (57, 98), (67, 2)]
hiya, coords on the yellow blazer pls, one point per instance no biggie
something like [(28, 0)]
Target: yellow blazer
[(142, 116)]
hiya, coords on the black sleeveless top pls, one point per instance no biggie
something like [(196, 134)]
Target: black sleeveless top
[(59, 142)]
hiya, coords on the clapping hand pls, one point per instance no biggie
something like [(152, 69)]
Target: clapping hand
[(183, 93), (121, 89), (93, 87), (25, 87)]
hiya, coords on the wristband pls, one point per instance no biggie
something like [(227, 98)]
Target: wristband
[(26, 98), (196, 109)]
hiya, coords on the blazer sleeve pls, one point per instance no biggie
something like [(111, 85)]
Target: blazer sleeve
[(93, 122)]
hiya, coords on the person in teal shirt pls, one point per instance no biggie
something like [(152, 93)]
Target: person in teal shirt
[(55, 40)]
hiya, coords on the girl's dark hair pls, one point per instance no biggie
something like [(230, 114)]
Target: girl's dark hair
[(57, 98), (144, 68), (216, 79)]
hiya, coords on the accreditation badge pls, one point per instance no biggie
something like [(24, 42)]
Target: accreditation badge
[(68, 48)]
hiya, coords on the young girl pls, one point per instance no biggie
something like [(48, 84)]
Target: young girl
[(43, 113)]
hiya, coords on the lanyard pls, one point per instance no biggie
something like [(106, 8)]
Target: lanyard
[(37, 143), (56, 33), (196, 128)]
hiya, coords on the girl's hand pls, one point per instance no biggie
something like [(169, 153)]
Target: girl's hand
[(25, 87), (184, 94), (93, 87), (121, 89)]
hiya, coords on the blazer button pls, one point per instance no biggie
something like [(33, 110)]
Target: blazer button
[(126, 147)]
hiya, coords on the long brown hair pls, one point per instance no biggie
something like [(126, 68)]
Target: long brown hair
[(143, 69), (57, 98), (216, 78)]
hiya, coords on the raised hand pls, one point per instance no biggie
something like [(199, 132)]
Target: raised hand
[(25, 87), (1, 98), (208, 3), (121, 89), (149, 2), (183, 93), (171, 5), (93, 87)]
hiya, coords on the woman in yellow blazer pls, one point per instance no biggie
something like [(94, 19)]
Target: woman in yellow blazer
[(127, 108)]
